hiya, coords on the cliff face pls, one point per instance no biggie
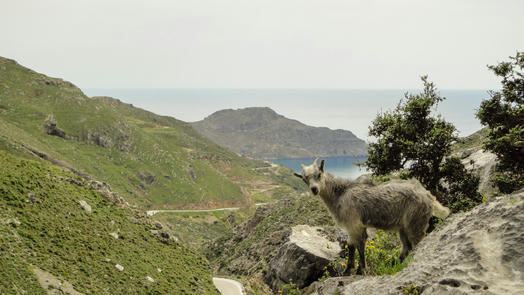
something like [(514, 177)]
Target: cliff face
[(262, 133), (477, 252)]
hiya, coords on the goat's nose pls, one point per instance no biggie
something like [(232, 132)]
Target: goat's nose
[(314, 190)]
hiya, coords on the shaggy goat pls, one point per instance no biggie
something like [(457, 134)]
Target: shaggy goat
[(398, 205)]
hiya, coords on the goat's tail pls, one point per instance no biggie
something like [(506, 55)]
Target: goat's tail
[(439, 210)]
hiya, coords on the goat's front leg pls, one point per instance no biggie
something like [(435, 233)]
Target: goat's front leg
[(351, 260), (362, 262)]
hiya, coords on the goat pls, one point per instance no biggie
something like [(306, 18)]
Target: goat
[(398, 205)]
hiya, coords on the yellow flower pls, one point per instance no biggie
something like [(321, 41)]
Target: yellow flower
[(342, 264), (372, 242), (279, 291), (346, 246)]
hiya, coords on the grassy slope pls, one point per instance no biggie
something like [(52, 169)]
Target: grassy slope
[(56, 234), (475, 140), (147, 158)]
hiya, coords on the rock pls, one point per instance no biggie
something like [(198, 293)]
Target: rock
[(158, 225), (475, 252), (302, 259), (191, 173), (114, 235), (105, 190), (51, 127), (12, 221), (85, 205), (31, 197), (119, 267), (482, 163), (150, 279), (146, 177)]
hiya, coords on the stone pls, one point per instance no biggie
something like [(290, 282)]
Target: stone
[(114, 235), (85, 205), (150, 279), (31, 197), (119, 267), (483, 164), (476, 252), (51, 127), (302, 259)]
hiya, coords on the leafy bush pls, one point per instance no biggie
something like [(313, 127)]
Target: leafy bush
[(410, 138), (503, 113)]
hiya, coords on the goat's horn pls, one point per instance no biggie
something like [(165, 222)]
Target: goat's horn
[(315, 162)]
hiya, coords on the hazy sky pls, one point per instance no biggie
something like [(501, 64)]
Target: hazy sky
[(263, 44)]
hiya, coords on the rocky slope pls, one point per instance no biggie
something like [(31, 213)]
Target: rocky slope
[(150, 160), (476, 252), (263, 134)]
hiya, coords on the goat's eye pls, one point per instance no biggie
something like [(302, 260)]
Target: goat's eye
[(318, 176)]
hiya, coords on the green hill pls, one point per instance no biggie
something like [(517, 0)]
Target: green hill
[(153, 161), (263, 134), (46, 234)]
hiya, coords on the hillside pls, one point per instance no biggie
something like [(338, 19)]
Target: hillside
[(58, 235), (263, 134), (152, 161)]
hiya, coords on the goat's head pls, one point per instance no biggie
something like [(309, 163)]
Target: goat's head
[(313, 176)]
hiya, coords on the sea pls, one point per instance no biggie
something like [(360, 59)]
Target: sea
[(349, 109)]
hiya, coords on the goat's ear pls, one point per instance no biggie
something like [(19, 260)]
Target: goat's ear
[(297, 175), (322, 166)]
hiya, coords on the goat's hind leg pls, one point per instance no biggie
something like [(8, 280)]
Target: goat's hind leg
[(406, 244), (361, 247), (351, 260)]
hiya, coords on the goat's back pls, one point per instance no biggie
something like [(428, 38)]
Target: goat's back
[(388, 205)]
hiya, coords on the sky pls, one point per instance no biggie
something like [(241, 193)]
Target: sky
[(357, 44)]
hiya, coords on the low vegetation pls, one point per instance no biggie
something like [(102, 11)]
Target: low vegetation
[(43, 224)]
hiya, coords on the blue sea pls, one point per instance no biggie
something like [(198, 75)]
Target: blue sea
[(349, 109)]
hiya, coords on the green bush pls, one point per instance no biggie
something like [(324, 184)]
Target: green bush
[(503, 113), (410, 139)]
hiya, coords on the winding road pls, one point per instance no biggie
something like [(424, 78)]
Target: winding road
[(153, 212), (228, 287), (225, 286)]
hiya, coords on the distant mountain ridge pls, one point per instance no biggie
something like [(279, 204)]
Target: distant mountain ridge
[(260, 132)]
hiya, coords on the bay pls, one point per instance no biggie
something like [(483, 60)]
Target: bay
[(343, 167)]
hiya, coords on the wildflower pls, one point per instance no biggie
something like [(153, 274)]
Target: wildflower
[(346, 246), (342, 264), (279, 291), (372, 242)]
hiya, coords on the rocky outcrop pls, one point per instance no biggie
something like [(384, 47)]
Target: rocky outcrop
[(105, 190), (482, 163), (301, 260), (51, 127), (476, 252)]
